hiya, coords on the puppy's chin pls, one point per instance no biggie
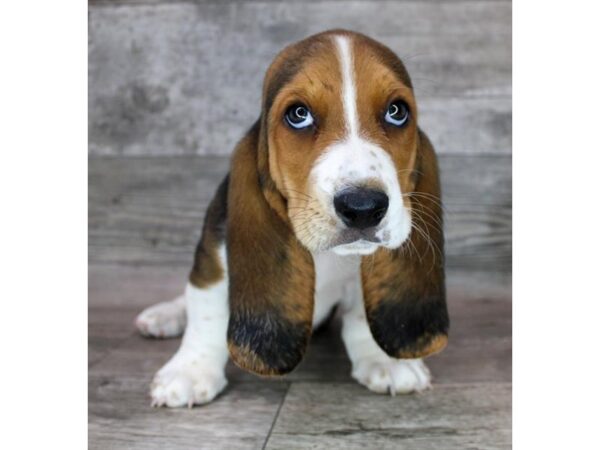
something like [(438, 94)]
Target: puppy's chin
[(360, 247)]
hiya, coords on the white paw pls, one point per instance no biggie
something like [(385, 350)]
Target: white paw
[(394, 376), (186, 384), (163, 320)]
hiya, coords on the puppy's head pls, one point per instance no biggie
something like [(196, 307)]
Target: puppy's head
[(341, 123), (336, 162)]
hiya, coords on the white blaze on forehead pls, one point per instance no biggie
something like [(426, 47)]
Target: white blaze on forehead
[(348, 86)]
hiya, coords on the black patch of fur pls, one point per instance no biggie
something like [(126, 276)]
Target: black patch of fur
[(213, 231), (397, 325), (277, 342), (327, 322), (216, 214)]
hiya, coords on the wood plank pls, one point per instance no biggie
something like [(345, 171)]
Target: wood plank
[(479, 349), (167, 78), (149, 210), (325, 407), (477, 194), (473, 125), (480, 343), (131, 288), (108, 328), (330, 415), (120, 417)]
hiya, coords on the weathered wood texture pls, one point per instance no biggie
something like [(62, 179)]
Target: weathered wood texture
[(479, 349), (325, 416), (149, 210), (471, 374), (120, 416), (185, 78)]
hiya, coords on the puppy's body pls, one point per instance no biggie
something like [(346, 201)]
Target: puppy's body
[(332, 198), (196, 373)]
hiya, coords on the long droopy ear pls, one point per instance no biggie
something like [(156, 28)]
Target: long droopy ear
[(404, 289), (271, 276)]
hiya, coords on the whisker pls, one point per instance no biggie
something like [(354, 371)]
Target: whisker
[(422, 196), (437, 221), (303, 208), (431, 244), (409, 170), (430, 239), (427, 240), (426, 195), (299, 199), (299, 192), (413, 246)]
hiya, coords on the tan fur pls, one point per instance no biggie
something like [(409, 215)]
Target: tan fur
[(292, 154), (269, 205), (271, 274), (418, 265), (207, 268), (426, 346)]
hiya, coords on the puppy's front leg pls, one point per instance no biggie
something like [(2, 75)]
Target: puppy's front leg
[(371, 366), (196, 373), (163, 320)]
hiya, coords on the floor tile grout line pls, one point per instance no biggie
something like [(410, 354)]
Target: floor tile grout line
[(276, 416)]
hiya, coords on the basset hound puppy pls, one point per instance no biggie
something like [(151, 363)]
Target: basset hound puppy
[(333, 198)]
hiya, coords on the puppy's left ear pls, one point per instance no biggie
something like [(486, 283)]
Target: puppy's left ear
[(404, 289)]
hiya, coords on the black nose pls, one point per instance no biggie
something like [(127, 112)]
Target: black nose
[(361, 208)]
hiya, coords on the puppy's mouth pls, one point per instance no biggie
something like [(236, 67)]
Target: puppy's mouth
[(350, 235), (356, 242)]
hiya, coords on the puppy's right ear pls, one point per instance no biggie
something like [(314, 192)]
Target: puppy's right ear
[(404, 292), (271, 276)]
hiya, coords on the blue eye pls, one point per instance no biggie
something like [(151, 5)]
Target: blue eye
[(299, 116), (397, 113)]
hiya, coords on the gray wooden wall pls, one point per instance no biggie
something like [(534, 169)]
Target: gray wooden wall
[(172, 86), (171, 80)]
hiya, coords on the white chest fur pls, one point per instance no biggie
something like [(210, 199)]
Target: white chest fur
[(196, 373), (337, 281)]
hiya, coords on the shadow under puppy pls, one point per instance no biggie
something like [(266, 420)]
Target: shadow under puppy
[(332, 198)]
